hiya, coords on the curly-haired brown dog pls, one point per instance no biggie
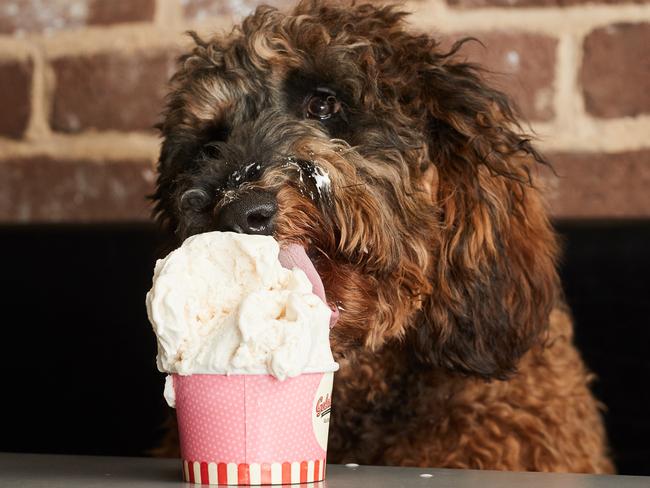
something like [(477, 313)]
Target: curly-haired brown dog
[(410, 183)]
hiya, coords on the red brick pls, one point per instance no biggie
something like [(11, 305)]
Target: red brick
[(116, 11), (201, 9), (15, 92), (20, 16), (110, 90), (615, 72), (600, 185), (520, 64), (533, 3), (41, 189)]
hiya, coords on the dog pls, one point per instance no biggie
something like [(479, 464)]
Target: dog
[(416, 194)]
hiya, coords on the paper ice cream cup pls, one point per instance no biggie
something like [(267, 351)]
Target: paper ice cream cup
[(253, 429)]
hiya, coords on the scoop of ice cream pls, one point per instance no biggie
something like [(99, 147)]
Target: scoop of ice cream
[(222, 303), (168, 392)]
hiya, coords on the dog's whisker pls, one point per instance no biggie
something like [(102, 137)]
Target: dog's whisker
[(320, 250)]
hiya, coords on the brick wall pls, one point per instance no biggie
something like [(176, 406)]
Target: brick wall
[(81, 83)]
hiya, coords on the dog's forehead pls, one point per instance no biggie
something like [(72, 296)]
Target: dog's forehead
[(259, 67)]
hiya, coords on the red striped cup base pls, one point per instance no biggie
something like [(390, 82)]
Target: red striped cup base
[(211, 473)]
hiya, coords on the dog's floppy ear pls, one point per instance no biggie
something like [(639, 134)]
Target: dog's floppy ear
[(494, 271)]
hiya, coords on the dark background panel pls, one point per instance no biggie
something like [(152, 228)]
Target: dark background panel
[(79, 355), (606, 276)]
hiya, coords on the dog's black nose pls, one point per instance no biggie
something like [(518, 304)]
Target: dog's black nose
[(252, 212)]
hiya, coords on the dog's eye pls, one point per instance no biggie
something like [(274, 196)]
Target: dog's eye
[(322, 105)]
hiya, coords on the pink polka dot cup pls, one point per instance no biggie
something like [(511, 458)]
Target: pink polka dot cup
[(253, 429)]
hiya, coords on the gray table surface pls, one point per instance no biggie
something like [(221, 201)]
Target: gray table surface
[(44, 470)]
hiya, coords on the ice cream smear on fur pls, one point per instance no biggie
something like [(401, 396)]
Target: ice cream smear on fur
[(227, 303)]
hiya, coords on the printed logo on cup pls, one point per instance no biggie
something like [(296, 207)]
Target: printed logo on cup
[(321, 407)]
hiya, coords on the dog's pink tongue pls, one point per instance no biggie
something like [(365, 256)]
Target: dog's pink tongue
[(294, 256)]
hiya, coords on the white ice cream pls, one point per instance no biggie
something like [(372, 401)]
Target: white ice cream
[(222, 303)]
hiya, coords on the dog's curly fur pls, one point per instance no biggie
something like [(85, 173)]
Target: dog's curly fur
[(454, 343)]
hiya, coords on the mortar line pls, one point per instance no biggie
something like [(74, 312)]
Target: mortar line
[(38, 127), (548, 20), (566, 91), (90, 146), (169, 14)]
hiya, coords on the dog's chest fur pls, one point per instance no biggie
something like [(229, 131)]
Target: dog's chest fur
[(387, 410)]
